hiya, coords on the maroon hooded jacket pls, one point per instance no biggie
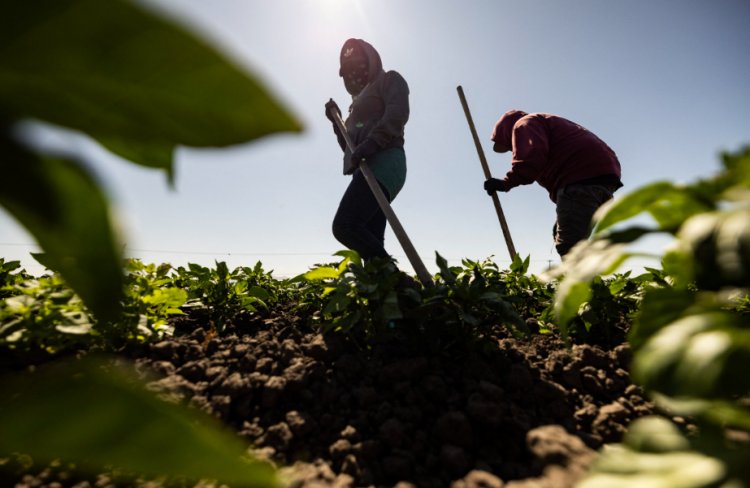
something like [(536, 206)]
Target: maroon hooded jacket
[(554, 152)]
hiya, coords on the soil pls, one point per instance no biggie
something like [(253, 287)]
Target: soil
[(501, 411)]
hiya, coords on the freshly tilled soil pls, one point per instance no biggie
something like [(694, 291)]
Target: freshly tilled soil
[(332, 412)]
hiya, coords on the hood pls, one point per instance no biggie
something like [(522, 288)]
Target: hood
[(357, 48), (502, 134)]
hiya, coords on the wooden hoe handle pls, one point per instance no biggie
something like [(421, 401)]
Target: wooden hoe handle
[(487, 175), (424, 276)]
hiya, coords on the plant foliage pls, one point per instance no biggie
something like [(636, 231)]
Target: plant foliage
[(691, 335), (370, 300), (111, 420), (132, 80), (140, 85)]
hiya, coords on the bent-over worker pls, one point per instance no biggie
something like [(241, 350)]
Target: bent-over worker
[(579, 171)]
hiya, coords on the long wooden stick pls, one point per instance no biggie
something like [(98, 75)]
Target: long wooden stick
[(487, 175), (411, 253)]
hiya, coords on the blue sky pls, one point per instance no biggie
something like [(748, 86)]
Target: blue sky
[(664, 82)]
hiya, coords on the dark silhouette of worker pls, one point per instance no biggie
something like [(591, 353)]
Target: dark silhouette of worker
[(578, 169), (375, 123)]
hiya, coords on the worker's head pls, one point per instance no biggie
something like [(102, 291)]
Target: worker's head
[(502, 134), (360, 63)]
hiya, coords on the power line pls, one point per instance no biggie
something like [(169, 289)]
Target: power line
[(229, 253), (549, 262), (201, 253)]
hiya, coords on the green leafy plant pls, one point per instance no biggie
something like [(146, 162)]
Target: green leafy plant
[(151, 298), (690, 338), (478, 293), (374, 300), (742, 304), (609, 309), (11, 274), (225, 293), (527, 294), (655, 453), (43, 314), (353, 297)]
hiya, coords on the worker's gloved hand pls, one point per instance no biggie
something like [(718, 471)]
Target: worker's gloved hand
[(331, 105), (365, 150), (493, 185)]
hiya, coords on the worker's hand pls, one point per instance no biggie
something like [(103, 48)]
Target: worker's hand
[(493, 185), (331, 105), (365, 150)]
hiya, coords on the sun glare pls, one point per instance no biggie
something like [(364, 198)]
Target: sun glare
[(337, 8), (332, 5)]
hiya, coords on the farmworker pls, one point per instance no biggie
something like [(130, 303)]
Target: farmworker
[(578, 169), (375, 123)]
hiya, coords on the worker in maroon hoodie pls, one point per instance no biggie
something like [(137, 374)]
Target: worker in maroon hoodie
[(578, 169)]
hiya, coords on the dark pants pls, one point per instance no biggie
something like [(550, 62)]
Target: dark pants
[(576, 205), (359, 223)]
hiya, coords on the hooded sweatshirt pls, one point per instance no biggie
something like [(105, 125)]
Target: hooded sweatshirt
[(554, 152), (378, 112), (381, 109)]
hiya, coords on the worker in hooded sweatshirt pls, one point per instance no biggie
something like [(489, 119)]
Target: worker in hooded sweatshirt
[(375, 124), (578, 169)]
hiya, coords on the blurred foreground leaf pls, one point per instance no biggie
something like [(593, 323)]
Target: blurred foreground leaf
[(134, 81), (654, 454), (720, 244), (62, 206), (669, 204), (117, 72), (697, 356), (152, 155), (691, 346), (96, 415)]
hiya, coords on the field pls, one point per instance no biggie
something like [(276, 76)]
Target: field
[(426, 405), (351, 375), (118, 373)]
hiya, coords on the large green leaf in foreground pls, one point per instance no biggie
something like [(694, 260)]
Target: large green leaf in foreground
[(669, 204), (96, 415), (62, 206), (655, 454), (136, 82), (119, 73)]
